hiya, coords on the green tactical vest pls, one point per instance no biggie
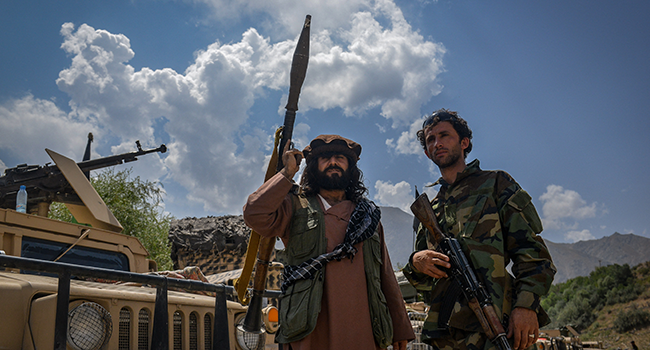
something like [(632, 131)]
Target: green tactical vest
[(300, 305)]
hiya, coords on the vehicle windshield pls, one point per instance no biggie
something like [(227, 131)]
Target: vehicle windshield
[(47, 250)]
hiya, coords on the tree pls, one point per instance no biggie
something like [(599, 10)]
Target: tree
[(137, 205), (577, 300)]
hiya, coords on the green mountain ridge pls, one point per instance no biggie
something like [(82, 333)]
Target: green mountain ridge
[(611, 305)]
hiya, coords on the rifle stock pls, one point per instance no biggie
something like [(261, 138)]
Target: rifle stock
[(475, 293), (422, 210)]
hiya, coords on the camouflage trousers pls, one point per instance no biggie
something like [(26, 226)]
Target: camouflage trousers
[(463, 340)]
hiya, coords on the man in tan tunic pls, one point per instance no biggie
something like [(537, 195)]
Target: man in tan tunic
[(333, 181)]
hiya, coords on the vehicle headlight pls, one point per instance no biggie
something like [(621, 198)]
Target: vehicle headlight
[(89, 327), (247, 340)]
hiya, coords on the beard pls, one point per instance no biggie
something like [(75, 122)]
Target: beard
[(333, 182), (452, 157)]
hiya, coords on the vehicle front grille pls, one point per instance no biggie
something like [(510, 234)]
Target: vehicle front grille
[(207, 331), (178, 331), (177, 328), (194, 332), (124, 329), (143, 329)]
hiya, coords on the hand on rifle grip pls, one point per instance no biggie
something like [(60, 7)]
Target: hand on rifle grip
[(432, 263)]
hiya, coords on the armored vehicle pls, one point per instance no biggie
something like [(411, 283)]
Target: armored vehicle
[(87, 286)]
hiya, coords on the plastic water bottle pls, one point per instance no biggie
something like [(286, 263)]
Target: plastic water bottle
[(21, 200)]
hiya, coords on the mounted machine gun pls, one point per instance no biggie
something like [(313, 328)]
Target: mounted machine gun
[(46, 184)]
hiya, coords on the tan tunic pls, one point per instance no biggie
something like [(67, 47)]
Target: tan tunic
[(344, 320)]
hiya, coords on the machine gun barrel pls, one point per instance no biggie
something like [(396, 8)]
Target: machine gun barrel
[(117, 159), (47, 183)]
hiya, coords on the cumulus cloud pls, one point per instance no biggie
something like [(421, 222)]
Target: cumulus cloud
[(29, 125), (399, 195), (203, 108), (575, 236), (563, 208), (364, 55), (408, 142), (391, 68), (281, 15)]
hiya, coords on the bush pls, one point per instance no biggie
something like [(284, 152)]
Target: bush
[(137, 205), (634, 319)]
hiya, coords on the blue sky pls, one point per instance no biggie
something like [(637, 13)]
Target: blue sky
[(557, 94)]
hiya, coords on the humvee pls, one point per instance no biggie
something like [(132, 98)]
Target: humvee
[(87, 286)]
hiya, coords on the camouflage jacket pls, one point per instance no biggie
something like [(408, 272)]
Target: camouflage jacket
[(495, 222)]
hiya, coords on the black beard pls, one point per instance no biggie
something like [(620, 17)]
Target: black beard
[(333, 182)]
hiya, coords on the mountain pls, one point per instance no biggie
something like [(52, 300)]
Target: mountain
[(571, 259), (398, 233), (580, 258)]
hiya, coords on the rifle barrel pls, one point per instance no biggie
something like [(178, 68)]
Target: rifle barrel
[(117, 159)]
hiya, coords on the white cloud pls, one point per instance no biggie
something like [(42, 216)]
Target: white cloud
[(363, 55), (563, 208), (29, 125), (282, 16), (408, 142), (399, 195), (391, 68), (575, 236)]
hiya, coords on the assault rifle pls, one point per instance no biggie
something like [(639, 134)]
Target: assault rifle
[(477, 296), (46, 184)]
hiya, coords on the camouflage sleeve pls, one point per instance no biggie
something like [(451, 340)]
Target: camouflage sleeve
[(532, 264), (422, 282)]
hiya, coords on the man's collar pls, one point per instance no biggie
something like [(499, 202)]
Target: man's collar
[(471, 168), (324, 202)]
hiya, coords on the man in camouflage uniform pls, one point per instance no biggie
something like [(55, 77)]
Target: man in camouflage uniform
[(495, 223)]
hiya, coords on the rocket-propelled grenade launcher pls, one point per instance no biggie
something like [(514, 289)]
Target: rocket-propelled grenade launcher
[(253, 320), (298, 72)]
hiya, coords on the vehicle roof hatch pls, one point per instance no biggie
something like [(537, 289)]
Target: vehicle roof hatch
[(94, 211)]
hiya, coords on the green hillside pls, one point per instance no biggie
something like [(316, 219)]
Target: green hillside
[(612, 305)]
